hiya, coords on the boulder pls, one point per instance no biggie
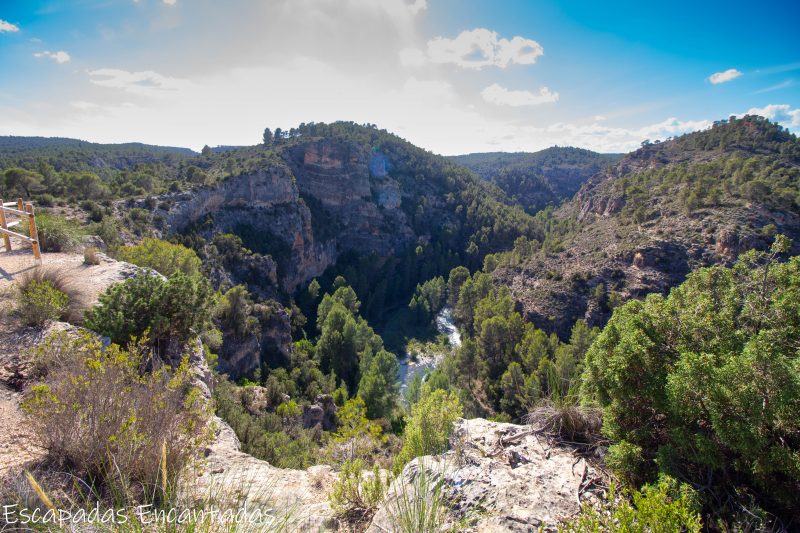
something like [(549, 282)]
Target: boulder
[(297, 500), (496, 477)]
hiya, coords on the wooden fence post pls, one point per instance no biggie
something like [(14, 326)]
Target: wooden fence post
[(37, 254), (4, 225)]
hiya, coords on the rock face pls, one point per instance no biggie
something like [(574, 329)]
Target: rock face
[(321, 413), (520, 486), (325, 197), (298, 499), (242, 356)]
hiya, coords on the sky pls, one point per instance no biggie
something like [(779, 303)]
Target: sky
[(452, 76)]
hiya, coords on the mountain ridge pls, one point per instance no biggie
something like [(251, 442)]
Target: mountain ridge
[(657, 214)]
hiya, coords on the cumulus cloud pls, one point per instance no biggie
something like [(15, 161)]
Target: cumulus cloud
[(59, 57), (616, 139), (145, 82), (722, 77), (498, 95), (783, 114), (7, 26), (480, 48), (170, 2)]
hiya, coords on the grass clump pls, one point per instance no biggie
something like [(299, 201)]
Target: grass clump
[(420, 506), (40, 302), (90, 256), (47, 293), (56, 233)]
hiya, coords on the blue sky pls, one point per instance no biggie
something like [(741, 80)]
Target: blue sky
[(453, 76)]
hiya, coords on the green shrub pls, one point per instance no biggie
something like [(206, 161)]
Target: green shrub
[(705, 383), (627, 461), (162, 256), (105, 422), (40, 301), (429, 426), (235, 312), (355, 496), (108, 230), (662, 508), (273, 437), (49, 293), (357, 437), (173, 308), (56, 233)]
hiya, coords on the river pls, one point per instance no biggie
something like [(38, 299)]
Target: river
[(426, 362)]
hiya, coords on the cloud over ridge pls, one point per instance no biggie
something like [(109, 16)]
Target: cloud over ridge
[(498, 95)]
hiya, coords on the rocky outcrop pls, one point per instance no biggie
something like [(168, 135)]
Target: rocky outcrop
[(325, 197), (263, 188), (496, 477), (243, 356), (335, 172), (297, 500), (321, 413)]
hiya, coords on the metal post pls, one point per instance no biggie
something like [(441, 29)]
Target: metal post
[(37, 254), (4, 225)]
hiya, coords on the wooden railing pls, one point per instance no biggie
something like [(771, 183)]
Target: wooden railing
[(23, 210)]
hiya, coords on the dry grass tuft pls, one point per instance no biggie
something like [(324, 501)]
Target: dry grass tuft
[(90, 256), (62, 281), (573, 423)]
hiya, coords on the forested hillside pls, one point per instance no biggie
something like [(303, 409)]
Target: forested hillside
[(662, 211), (51, 168), (535, 180)]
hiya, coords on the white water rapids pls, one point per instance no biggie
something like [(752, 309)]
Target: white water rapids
[(426, 362)]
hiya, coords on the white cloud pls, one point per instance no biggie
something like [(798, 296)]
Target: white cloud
[(146, 82), (84, 105), (783, 114), (7, 26), (343, 63), (614, 139), (480, 48), (59, 57), (497, 95), (170, 2), (722, 77), (418, 5), (412, 57)]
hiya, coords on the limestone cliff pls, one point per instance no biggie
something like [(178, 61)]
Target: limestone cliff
[(322, 198)]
